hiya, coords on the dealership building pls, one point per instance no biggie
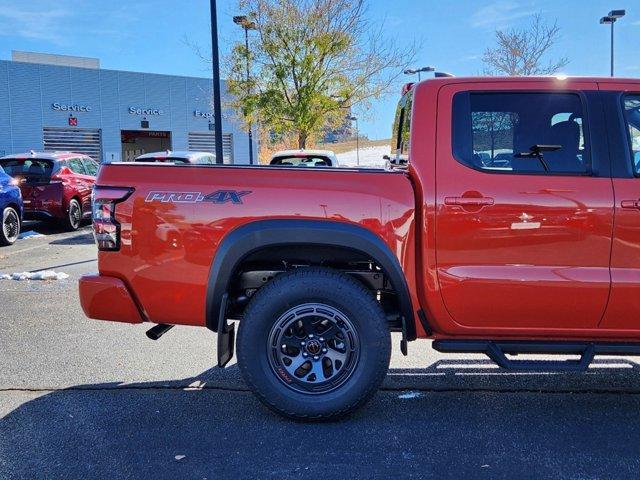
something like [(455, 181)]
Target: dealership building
[(57, 102)]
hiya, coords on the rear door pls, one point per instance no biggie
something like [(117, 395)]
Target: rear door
[(522, 242), (622, 105)]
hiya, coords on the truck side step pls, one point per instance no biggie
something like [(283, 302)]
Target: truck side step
[(498, 350)]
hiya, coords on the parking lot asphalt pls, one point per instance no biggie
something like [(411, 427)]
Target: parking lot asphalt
[(89, 399)]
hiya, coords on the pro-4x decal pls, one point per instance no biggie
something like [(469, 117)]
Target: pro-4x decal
[(219, 196)]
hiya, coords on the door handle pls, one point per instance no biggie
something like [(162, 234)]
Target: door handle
[(469, 201), (630, 204)]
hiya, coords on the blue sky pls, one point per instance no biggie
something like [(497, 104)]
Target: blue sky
[(149, 35)]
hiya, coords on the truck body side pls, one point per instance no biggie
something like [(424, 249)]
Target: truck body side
[(469, 272), (170, 239)]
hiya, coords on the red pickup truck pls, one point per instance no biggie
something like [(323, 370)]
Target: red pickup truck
[(507, 222)]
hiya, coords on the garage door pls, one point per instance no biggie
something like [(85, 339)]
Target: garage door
[(206, 142), (78, 140)]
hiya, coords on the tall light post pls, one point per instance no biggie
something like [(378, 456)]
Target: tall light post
[(215, 63), (413, 71), (610, 19), (355, 119), (247, 25)]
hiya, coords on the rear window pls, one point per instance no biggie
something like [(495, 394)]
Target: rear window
[(632, 116), (401, 141), (172, 160), (163, 160), (302, 161), (32, 170)]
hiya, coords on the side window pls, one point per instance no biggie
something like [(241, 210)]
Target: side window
[(402, 127), (91, 167), (521, 133), (75, 164), (632, 116)]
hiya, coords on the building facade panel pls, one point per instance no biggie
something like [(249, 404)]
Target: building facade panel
[(132, 112), (26, 107), (6, 141)]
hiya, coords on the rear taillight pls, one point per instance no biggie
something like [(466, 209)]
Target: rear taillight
[(106, 228)]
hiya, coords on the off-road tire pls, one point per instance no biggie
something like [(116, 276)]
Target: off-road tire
[(317, 286)]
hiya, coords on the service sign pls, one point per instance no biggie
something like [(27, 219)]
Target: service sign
[(61, 107), (145, 111)]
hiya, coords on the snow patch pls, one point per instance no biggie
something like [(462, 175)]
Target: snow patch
[(408, 395), (370, 157), (41, 275), (30, 234)]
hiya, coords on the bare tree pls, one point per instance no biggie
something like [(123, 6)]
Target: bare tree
[(521, 51)]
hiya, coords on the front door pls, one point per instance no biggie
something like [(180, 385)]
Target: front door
[(524, 213)]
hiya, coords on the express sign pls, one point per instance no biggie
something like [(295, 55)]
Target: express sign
[(201, 114), (60, 107)]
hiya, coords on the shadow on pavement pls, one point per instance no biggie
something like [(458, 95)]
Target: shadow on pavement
[(464, 420), (81, 238)]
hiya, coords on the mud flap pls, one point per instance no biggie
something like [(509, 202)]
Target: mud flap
[(226, 335), (403, 342)]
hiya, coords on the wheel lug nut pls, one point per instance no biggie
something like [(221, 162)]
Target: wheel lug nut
[(305, 354), (311, 335), (316, 357), (303, 343), (321, 339), (324, 350)]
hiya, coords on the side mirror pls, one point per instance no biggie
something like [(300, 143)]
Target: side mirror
[(65, 171), (386, 157)]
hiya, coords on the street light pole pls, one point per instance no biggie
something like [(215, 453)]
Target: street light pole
[(357, 139), (215, 63), (612, 24), (611, 19), (247, 25), (413, 71)]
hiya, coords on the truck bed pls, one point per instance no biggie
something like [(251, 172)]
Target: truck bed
[(177, 216)]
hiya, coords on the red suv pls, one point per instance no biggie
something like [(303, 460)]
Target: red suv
[(55, 185)]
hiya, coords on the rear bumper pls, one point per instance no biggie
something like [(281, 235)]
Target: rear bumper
[(108, 298)]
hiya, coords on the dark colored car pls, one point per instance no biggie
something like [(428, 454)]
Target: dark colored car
[(55, 185), (10, 209)]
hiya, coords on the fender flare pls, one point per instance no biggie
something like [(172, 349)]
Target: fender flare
[(253, 236)]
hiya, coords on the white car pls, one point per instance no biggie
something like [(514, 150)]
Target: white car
[(169, 156), (304, 158)]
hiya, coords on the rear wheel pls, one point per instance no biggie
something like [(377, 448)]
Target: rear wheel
[(313, 344), (10, 226), (74, 216)]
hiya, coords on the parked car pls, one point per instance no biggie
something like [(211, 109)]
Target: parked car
[(10, 209), (168, 156), (304, 158), (536, 255), (55, 186)]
